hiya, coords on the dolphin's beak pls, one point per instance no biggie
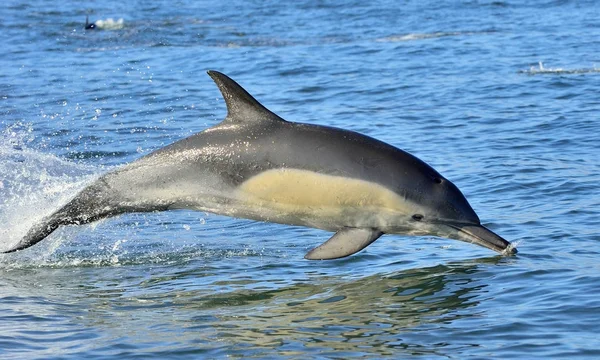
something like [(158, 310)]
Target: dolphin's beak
[(480, 235)]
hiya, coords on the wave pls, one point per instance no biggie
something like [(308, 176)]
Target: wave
[(541, 69), (424, 36)]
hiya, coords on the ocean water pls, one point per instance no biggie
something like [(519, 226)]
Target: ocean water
[(502, 97)]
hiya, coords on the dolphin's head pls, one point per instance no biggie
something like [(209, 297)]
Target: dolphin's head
[(444, 211)]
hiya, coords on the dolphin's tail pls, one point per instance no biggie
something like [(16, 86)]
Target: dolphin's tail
[(40, 231), (91, 204)]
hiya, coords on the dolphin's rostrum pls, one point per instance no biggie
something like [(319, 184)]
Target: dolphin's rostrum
[(255, 165)]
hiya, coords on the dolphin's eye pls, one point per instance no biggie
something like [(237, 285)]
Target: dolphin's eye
[(417, 217), (437, 180)]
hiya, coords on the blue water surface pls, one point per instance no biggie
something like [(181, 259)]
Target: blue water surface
[(502, 97)]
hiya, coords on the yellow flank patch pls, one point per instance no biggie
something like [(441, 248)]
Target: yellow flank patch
[(296, 190)]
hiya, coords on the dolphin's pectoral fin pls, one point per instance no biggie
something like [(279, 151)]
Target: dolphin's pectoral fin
[(344, 243)]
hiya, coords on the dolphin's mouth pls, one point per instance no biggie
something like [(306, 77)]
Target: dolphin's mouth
[(482, 236)]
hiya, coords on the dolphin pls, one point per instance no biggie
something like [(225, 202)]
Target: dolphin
[(89, 25), (258, 166)]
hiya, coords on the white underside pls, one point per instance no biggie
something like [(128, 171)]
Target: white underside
[(300, 197)]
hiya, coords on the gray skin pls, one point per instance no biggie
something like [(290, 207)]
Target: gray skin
[(205, 172)]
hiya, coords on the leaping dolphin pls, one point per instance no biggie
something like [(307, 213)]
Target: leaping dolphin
[(256, 165)]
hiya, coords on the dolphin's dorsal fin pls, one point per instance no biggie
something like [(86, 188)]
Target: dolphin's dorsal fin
[(241, 106)]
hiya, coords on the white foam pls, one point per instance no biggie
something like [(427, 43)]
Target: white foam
[(541, 69), (110, 24), (423, 36)]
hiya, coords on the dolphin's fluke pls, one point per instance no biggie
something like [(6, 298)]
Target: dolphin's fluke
[(38, 232), (89, 205), (344, 243)]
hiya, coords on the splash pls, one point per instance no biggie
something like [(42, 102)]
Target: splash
[(32, 184), (511, 249), (109, 24), (541, 69)]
